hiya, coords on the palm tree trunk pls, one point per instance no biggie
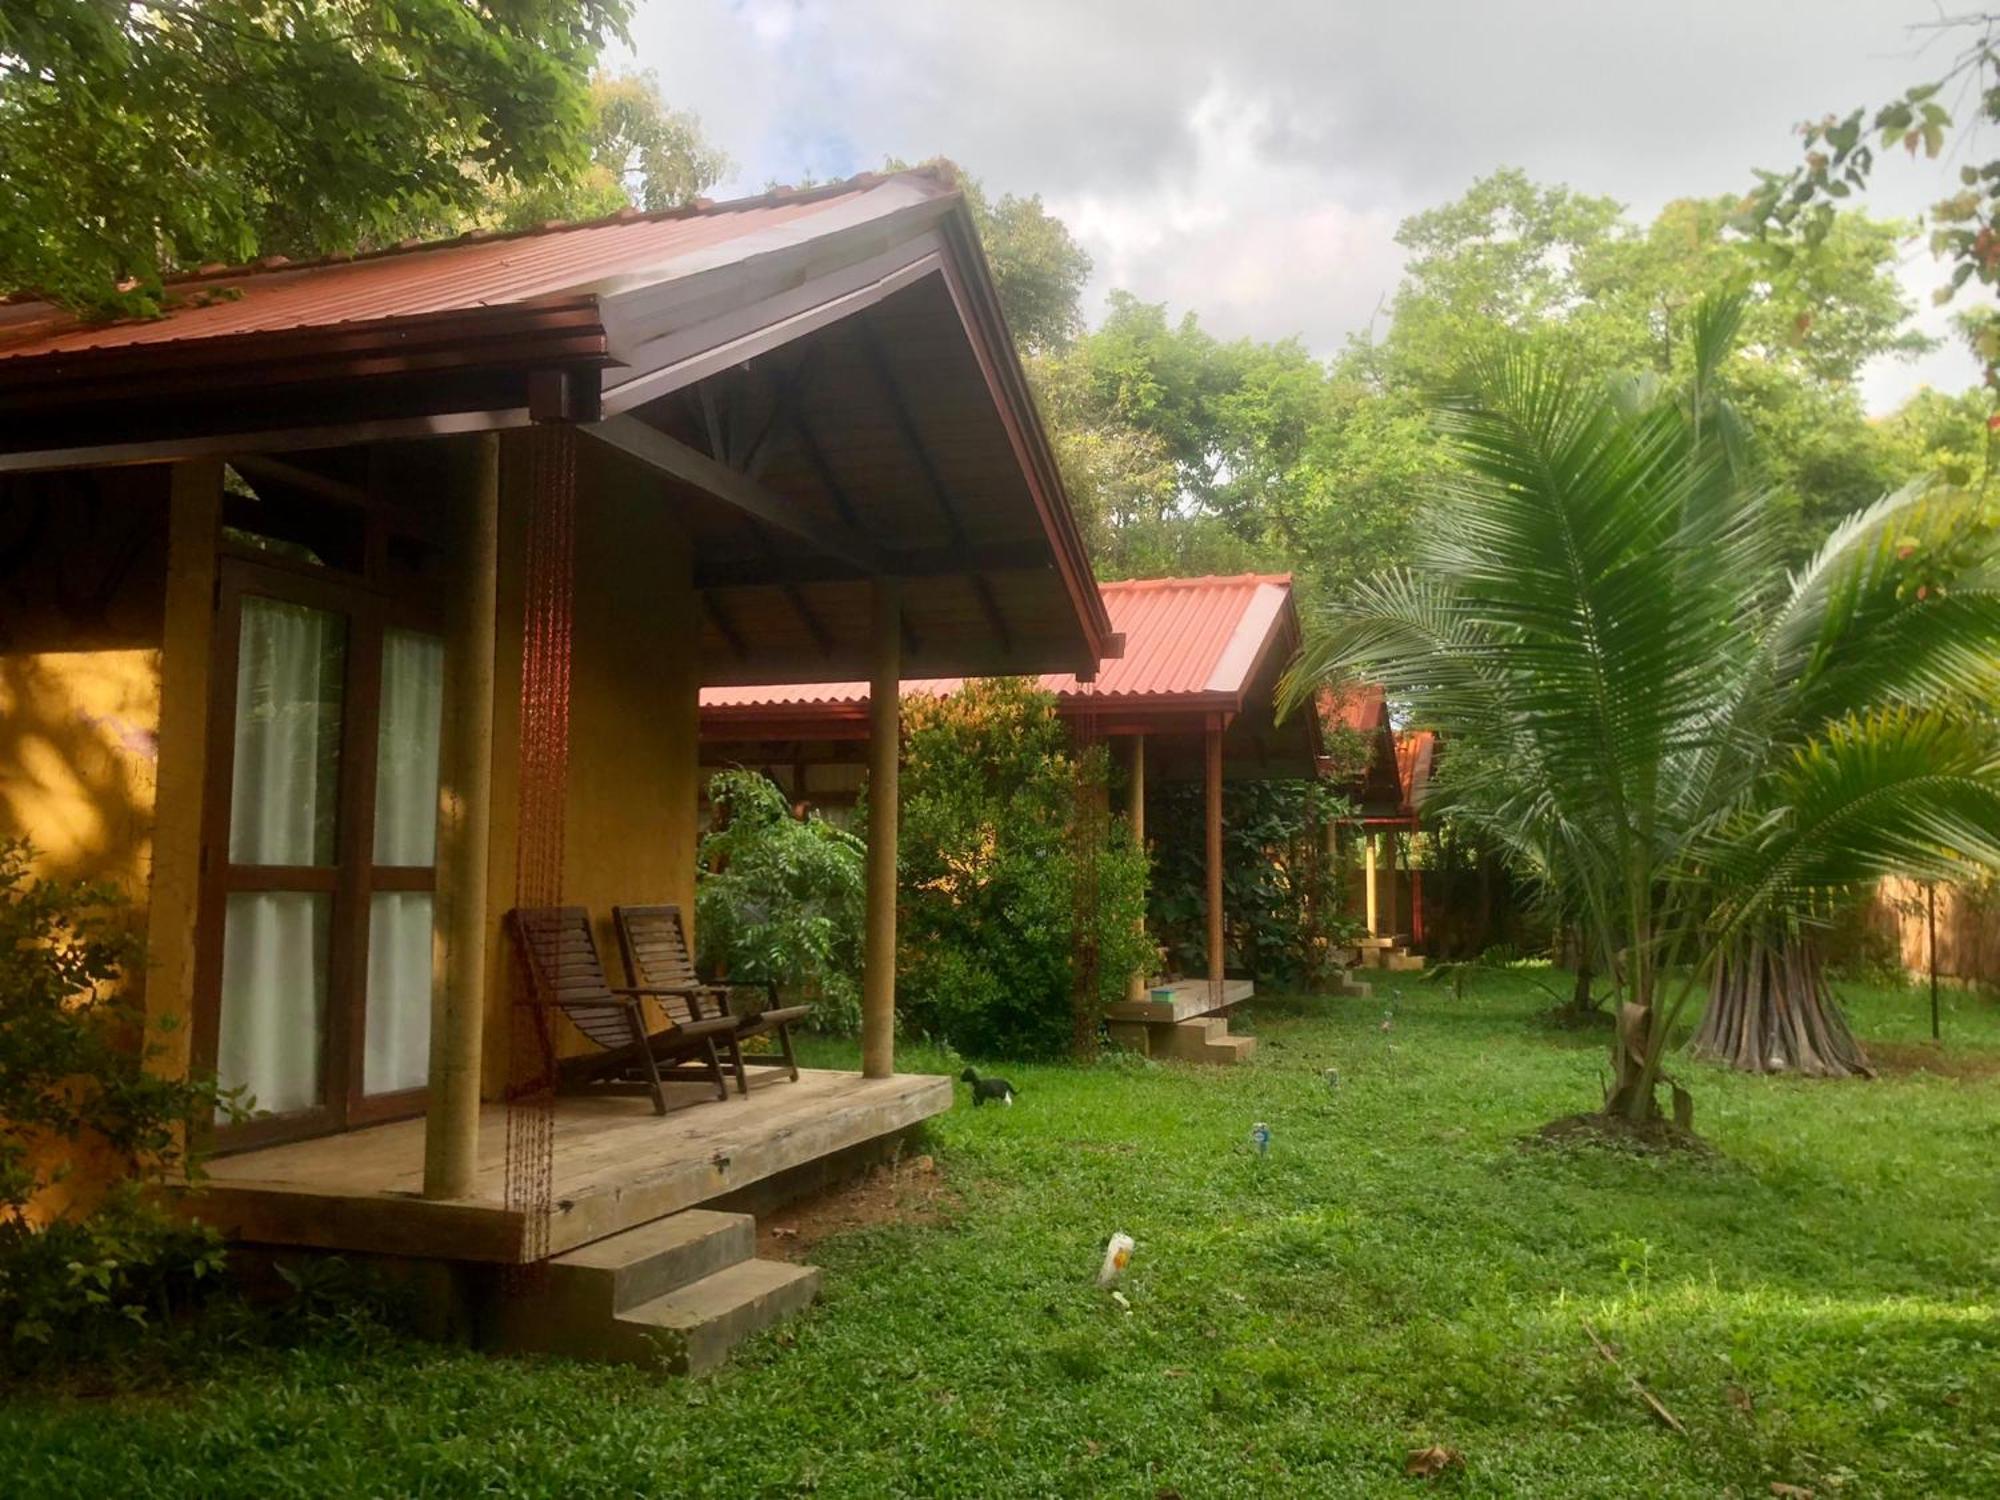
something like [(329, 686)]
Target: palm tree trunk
[(1770, 1011)]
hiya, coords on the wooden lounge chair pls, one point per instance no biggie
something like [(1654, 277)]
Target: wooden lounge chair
[(559, 952), (654, 942)]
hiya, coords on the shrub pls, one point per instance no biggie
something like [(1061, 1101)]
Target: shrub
[(85, 1126), (1282, 902), (1014, 878), (781, 899)]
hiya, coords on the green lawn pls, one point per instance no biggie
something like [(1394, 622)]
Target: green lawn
[(1816, 1303)]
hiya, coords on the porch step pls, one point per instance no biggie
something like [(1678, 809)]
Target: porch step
[(1390, 954), (676, 1294), (640, 1264), (692, 1329), (1204, 1040)]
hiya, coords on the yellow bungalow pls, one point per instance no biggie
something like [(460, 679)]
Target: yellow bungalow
[(354, 602)]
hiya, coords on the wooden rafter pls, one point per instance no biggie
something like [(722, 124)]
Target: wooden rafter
[(932, 562), (749, 463), (913, 442), (671, 456), (731, 637)]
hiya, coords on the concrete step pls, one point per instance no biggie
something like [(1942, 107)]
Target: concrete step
[(1354, 989), (692, 1329), (1229, 1050), (610, 1275), (1404, 963)]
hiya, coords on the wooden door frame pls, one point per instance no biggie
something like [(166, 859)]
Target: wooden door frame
[(368, 614)]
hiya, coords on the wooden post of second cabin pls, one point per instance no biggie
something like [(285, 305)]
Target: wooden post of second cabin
[(1214, 830), (878, 958), (1135, 817), (1368, 852), (1391, 923)]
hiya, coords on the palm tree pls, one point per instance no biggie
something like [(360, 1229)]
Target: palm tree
[(1702, 750)]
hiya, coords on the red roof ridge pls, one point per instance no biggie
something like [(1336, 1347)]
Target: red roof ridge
[(694, 209), (1205, 580)]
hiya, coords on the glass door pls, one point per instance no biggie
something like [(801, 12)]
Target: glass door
[(319, 860)]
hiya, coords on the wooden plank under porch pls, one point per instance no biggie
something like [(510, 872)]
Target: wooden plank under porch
[(617, 1165)]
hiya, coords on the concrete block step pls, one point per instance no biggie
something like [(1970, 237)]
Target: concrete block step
[(692, 1329), (1229, 1050), (624, 1270), (1405, 963)]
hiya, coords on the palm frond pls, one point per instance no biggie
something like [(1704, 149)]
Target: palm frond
[(1897, 792)]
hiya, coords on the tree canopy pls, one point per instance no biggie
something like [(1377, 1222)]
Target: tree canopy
[(1186, 452), (135, 140)]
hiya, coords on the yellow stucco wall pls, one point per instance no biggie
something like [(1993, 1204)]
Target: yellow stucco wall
[(630, 811), (80, 638), (78, 747)]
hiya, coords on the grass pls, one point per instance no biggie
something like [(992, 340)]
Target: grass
[(1816, 1303)]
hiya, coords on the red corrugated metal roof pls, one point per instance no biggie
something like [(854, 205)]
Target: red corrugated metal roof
[(450, 275), (1187, 640), (1359, 706)]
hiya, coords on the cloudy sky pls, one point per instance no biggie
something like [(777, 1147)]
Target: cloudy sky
[(1250, 161)]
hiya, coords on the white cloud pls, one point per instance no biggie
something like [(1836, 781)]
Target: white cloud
[(1251, 161)]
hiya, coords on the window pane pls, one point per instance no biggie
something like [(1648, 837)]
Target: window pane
[(399, 992), (274, 949), (289, 667), (406, 749)]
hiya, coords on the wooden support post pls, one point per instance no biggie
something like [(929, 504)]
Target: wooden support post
[(194, 518), (465, 801), (1214, 827), (1135, 816), (878, 961), (1374, 907), (1391, 924)]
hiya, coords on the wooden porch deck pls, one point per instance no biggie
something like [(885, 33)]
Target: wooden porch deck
[(617, 1164)]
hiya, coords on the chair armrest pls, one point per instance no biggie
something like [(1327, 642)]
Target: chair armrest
[(720, 988), (658, 989)]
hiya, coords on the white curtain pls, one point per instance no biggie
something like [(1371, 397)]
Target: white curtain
[(289, 665), (406, 748), (289, 670), (399, 992), (398, 1030)]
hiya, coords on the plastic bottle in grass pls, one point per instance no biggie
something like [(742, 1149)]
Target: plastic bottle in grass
[(1117, 1256)]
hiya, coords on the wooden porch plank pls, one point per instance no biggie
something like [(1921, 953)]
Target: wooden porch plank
[(617, 1164)]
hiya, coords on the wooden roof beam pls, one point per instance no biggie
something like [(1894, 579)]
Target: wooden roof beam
[(935, 562), (750, 463), (913, 441), (672, 457)]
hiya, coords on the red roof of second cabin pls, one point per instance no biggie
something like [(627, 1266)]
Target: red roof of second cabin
[(1415, 752), (1189, 642)]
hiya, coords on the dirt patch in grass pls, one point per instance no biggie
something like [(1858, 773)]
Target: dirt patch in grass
[(1929, 1057), (1657, 1137), (895, 1192)]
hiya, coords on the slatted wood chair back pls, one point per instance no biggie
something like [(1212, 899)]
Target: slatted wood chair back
[(654, 941), (558, 948)]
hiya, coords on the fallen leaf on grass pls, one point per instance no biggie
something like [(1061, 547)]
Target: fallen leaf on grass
[(1428, 1463), (1790, 1491), (1740, 1399)]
